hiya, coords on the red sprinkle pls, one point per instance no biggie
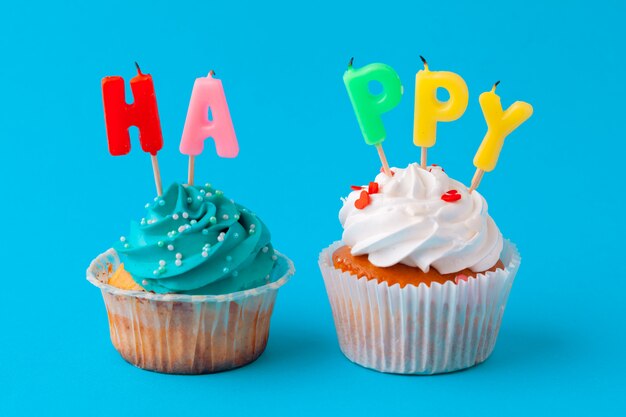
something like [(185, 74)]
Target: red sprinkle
[(451, 196), (383, 170), (460, 277), (363, 200), (356, 187), (372, 188)]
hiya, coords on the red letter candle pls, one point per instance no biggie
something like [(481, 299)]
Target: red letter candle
[(143, 113)]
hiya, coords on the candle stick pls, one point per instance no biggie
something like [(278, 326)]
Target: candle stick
[(157, 174), (208, 94), (499, 125), (191, 169), (369, 107), (143, 113), (429, 109)]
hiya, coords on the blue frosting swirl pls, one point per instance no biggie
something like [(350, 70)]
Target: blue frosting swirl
[(194, 240)]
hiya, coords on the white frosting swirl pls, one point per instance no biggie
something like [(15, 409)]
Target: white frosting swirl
[(407, 222)]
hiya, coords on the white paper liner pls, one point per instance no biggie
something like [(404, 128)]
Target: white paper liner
[(186, 334), (418, 330)]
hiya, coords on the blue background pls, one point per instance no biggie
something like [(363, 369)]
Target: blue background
[(557, 192)]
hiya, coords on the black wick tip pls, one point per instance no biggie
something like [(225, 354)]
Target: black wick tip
[(138, 69), (351, 62), (212, 72), (496, 84), (423, 60)]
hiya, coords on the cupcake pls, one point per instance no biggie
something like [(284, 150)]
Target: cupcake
[(190, 289), (419, 282)]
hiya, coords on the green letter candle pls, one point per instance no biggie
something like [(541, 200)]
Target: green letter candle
[(367, 106)]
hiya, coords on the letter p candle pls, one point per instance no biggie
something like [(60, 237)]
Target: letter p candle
[(208, 94)]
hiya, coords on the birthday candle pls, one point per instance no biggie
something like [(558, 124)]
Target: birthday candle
[(120, 116), (208, 94), (429, 110), (143, 113), (369, 107), (500, 124)]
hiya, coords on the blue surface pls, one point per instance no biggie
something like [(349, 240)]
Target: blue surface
[(557, 192)]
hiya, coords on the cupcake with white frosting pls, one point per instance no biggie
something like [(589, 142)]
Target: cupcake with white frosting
[(419, 282)]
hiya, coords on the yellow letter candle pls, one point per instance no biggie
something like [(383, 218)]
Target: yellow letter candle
[(500, 124), (369, 107), (429, 109)]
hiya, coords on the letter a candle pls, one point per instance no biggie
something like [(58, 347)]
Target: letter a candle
[(208, 94), (143, 114), (369, 107), (500, 124), (429, 109)]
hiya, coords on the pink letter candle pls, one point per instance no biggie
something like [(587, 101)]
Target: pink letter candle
[(208, 93)]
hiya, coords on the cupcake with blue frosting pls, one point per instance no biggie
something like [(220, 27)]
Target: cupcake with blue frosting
[(191, 287)]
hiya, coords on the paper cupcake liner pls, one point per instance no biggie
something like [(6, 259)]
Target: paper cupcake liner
[(418, 329), (186, 334)]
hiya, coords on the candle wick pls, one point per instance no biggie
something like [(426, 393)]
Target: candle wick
[(351, 62), (494, 86), (211, 73), (138, 69), (425, 63)]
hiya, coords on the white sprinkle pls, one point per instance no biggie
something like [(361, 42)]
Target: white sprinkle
[(208, 184), (213, 219), (126, 245), (209, 194), (221, 236), (162, 262), (143, 220), (147, 205), (199, 198), (202, 191), (170, 247), (274, 257), (181, 228), (236, 235), (179, 255), (178, 262), (253, 226), (225, 217), (175, 216), (205, 254), (265, 249), (193, 222), (236, 217), (267, 277), (185, 214), (144, 282), (161, 202), (251, 231), (226, 270), (205, 231), (156, 198), (122, 239), (155, 272)]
